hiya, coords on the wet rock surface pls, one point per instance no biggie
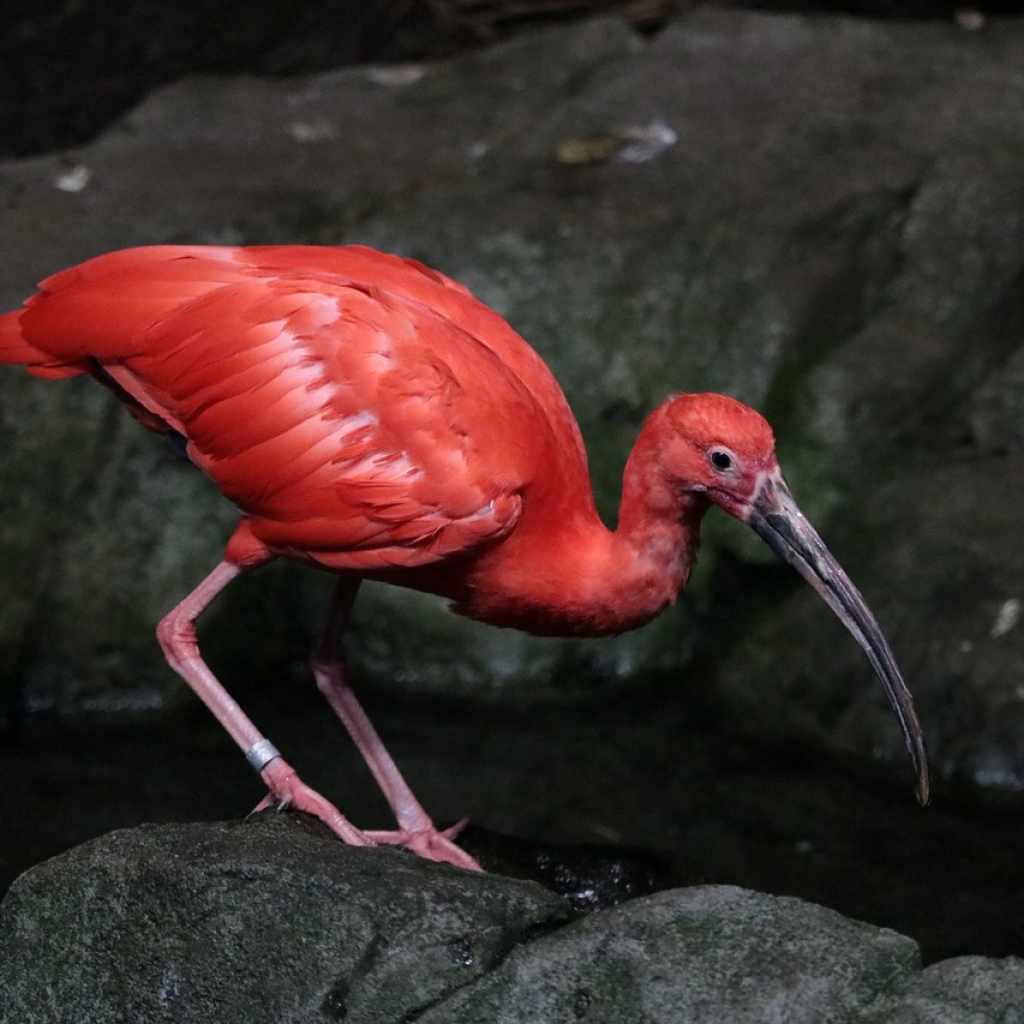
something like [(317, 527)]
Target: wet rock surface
[(266, 921), (273, 919)]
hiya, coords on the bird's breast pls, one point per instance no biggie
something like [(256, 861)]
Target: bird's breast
[(570, 582)]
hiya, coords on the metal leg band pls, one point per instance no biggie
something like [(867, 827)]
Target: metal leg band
[(260, 754)]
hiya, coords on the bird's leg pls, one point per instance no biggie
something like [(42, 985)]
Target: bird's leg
[(415, 831), (177, 636)]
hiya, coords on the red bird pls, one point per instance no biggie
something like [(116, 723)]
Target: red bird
[(368, 416)]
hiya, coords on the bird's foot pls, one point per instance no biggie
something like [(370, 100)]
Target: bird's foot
[(430, 843), (286, 789)]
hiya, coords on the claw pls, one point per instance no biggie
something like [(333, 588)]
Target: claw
[(286, 790)]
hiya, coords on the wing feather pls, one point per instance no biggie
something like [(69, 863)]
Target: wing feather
[(363, 411), (344, 436)]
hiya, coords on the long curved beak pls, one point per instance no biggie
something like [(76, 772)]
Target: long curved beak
[(774, 516)]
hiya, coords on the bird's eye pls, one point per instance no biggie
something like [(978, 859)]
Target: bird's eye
[(720, 460)]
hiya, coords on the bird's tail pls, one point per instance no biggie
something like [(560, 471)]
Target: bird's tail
[(16, 350)]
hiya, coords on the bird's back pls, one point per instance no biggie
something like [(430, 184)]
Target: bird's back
[(363, 410)]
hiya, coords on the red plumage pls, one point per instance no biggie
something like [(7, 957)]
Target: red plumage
[(337, 396)]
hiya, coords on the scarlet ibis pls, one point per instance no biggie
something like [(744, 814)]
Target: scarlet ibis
[(367, 415)]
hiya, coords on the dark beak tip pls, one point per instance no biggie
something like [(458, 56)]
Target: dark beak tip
[(924, 794)]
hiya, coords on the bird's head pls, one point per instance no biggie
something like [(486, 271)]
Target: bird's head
[(724, 451), (719, 448)]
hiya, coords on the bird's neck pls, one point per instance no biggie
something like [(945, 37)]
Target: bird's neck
[(658, 533), (564, 573)]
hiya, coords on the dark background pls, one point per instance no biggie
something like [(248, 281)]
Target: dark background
[(69, 67)]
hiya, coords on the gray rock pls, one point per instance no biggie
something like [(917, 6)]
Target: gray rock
[(272, 920), (712, 953), (819, 215), (261, 921), (966, 989), (225, 922)]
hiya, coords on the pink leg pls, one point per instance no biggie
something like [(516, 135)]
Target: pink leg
[(416, 831), (177, 636)]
